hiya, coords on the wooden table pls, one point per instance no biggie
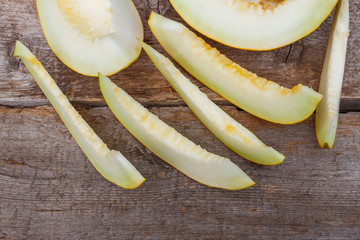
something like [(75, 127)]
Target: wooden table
[(49, 190)]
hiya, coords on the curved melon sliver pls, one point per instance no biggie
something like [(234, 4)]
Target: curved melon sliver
[(256, 95), (247, 25), (92, 36), (326, 118), (230, 132), (111, 164), (171, 146)]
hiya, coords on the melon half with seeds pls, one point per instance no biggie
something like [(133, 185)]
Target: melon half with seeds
[(254, 24), (92, 36)]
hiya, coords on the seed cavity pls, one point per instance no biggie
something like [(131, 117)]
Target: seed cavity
[(260, 7), (230, 68), (92, 18)]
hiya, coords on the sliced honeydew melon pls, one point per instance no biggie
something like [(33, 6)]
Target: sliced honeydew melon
[(255, 24), (327, 114), (92, 36), (171, 146), (229, 131), (256, 95), (111, 164)]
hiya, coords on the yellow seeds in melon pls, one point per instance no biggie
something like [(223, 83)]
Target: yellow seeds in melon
[(92, 18), (256, 95), (229, 131)]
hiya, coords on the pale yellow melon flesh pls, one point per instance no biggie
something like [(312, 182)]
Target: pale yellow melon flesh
[(254, 25), (92, 36), (109, 163), (327, 113), (172, 147), (256, 95), (229, 131)]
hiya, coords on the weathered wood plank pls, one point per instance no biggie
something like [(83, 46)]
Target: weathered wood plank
[(299, 63), (49, 190)]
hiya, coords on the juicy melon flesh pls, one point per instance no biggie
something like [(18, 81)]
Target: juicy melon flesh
[(230, 132), (92, 36), (168, 144), (265, 4), (111, 164), (256, 95), (255, 25), (327, 114), (92, 20)]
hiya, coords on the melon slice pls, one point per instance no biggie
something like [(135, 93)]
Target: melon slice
[(111, 164), (229, 131), (256, 95), (92, 36), (256, 24), (171, 146), (327, 113)]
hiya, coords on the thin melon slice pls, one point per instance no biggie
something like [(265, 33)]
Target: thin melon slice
[(92, 36), (327, 113), (111, 164), (256, 95), (229, 131), (255, 25), (171, 146)]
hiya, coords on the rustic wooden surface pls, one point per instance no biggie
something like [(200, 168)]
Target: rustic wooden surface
[(49, 190)]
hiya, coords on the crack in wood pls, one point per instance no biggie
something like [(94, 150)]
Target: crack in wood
[(49, 210), (288, 54), (346, 105)]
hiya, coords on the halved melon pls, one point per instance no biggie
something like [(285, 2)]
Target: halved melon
[(109, 163), (171, 146), (230, 132), (327, 113), (254, 24), (256, 95), (92, 36)]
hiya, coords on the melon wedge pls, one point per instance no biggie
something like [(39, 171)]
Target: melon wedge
[(326, 118), (171, 146), (256, 95), (229, 131), (111, 164), (92, 36), (255, 25)]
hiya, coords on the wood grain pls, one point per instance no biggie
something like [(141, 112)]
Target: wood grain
[(49, 190), (300, 62)]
